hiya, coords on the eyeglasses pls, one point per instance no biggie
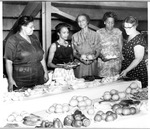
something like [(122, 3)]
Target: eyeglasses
[(128, 27)]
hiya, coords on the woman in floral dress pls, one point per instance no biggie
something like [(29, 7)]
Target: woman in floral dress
[(85, 42), (134, 65), (110, 48)]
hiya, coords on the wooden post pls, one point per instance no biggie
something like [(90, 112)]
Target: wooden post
[(46, 26)]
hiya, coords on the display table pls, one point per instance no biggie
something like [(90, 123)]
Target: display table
[(42, 103)]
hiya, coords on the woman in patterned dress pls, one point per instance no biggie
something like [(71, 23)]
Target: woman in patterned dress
[(133, 64), (85, 42), (110, 47)]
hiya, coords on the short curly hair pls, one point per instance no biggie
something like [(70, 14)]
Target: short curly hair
[(108, 15), (60, 26), (85, 15), (130, 19)]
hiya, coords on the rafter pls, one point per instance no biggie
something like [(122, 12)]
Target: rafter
[(31, 9), (68, 16)]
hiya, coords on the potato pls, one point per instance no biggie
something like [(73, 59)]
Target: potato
[(115, 97), (113, 91), (73, 103), (88, 102), (133, 85), (126, 111), (128, 90), (107, 96), (51, 109), (83, 57), (115, 106), (97, 117), (11, 118), (80, 98), (65, 108), (100, 112), (19, 118), (82, 103), (91, 111), (122, 95), (109, 118)]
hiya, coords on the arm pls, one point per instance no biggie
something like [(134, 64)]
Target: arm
[(120, 45), (139, 54), (9, 69), (46, 77), (51, 56)]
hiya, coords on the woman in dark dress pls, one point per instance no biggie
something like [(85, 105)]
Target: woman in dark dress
[(25, 64), (61, 51), (133, 64)]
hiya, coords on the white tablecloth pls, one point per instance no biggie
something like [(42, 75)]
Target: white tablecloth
[(42, 103)]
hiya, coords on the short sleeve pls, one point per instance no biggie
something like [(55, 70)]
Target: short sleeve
[(10, 49), (140, 41)]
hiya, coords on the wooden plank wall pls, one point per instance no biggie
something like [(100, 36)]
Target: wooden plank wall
[(12, 11)]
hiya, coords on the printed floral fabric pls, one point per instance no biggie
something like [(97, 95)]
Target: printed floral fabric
[(139, 72), (110, 45)]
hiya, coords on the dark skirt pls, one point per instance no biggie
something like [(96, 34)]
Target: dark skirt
[(28, 76)]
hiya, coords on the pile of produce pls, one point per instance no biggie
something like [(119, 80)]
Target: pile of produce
[(17, 117), (81, 102), (59, 108), (32, 120), (142, 94), (77, 119), (109, 79), (133, 88), (113, 95), (13, 96), (106, 116), (49, 124), (122, 109), (88, 56)]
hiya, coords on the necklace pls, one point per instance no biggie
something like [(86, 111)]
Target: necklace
[(65, 43)]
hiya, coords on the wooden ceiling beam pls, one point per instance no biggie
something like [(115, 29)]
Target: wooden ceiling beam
[(68, 16), (107, 4)]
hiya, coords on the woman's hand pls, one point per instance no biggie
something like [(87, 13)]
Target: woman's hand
[(103, 58), (123, 73), (46, 77), (86, 62), (11, 84)]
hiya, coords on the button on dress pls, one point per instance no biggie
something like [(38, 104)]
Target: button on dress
[(63, 54)]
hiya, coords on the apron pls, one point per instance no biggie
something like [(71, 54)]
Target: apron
[(28, 75)]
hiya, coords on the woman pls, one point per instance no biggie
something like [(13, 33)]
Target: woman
[(85, 42), (60, 51), (25, 64), (133, 64), (111, 47)]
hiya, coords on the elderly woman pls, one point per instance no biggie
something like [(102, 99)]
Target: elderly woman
[(25, 64), (133, 64), (85, 42), (111, 47)]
